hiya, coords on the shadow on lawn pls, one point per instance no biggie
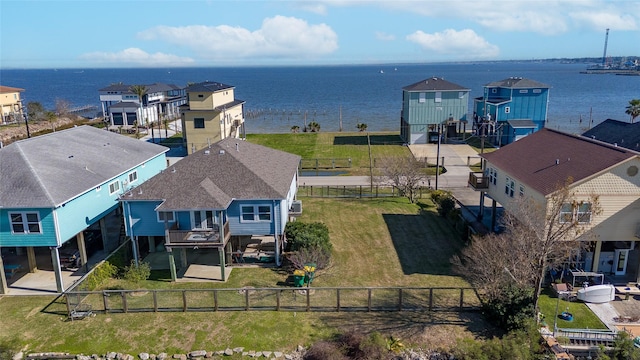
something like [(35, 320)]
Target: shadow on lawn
[(424, 242), (362, 140)]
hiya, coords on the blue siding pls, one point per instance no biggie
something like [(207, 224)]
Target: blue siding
[(47, 226), (144, 218), (236, 227)]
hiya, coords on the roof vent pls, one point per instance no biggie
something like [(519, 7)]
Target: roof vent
[(206, 152), (615, 144), (237, 148), (557, 161), (221, 152), (173, 170)]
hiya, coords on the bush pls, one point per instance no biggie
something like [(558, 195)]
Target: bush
[(99, 275), (444, 201), (307, 235), (512, 309), (136, 274), (324, 350)]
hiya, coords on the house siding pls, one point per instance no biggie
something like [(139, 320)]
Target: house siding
[(143, 214), (253, 228), (47, 226)]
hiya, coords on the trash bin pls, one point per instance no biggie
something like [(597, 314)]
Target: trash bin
[(309, 270), (298, 278)]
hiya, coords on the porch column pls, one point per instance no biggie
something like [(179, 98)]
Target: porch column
[(493, 215), (152, 244), (31, 259), (481, 209), (82, 247), (183, 258), (55, 260), (172, 265), (4, 289), (222, 250), (105, 235), (221, 253), (596, 256)]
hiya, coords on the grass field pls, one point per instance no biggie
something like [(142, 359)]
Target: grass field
[(377, 242)]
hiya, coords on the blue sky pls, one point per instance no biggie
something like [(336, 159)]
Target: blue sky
[(172, 33)]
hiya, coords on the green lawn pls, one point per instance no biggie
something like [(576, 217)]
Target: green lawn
[(377, 242), (583, 317)]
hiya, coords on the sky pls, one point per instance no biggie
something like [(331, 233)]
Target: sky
[(204, 33)]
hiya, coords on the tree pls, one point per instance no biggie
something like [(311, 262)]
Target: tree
[(140, 91), (62, 107), (51, 118), (633, 109), (537, 236), (314, 126), (295, 129), (362, 127), (35, 111), (403, 173)]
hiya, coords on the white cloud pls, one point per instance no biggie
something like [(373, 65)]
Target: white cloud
[(464, 43), (279, 37), (384, 36), (312, 7), (135, 56), (605, 19)]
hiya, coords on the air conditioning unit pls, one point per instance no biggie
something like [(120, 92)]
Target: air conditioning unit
[(296, 207)]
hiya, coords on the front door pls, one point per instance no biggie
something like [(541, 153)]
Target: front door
[(204, 219), (620, 258)]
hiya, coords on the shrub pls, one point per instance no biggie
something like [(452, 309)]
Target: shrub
[(137, 274), (99, 275), (444, 201), (511, 309), (324, 350), (307, 235)]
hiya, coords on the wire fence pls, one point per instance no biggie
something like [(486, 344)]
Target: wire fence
[(356, 191), (314, 299)]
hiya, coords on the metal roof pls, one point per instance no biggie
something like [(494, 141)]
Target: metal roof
[(517, 83), (434, 84)]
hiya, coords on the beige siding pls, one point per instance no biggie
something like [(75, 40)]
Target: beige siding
[(197, 139)]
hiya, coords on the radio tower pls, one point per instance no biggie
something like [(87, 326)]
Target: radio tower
[(604, 56)]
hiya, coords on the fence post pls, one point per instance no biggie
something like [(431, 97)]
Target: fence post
[(400, 299), (311, 190), (337, 300), (308, 299), (369, 300), (430, 299), (316, 163), (461, 298), (361, 191), (155, 301), (66, 298), (105, 302), (184, 300), (333, 163), (277, 300), (215, 300), (246, 299), (123, 295)]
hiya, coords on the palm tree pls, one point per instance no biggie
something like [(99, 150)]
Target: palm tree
[(140, 91), (633, 109), (314, 126), (295, 129), (362, 127)]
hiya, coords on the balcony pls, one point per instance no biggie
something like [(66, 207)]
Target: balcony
[(200, 238), (478, 181)]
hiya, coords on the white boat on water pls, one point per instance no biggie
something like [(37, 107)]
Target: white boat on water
[(597, 293)]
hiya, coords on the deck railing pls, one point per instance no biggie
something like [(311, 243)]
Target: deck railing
[(478, 181)]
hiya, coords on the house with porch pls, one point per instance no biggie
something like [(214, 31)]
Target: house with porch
[(56, 186), (10, 104), (534, 166), (511, 109), (212, 113), (219, 203), (121, 106), (432, 107)]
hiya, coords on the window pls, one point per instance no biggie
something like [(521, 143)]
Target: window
[(255, 213), (461, 94), (537, 91), (166, 215), (566, 213), (422, 97), (584, 213), (25, 222), (438, 96), (507, 109), (521, 191), (198, 123), (524, 91), (494, 90), (114, 187), (509, 187), (203, 219), (133, 176), (493, 176)]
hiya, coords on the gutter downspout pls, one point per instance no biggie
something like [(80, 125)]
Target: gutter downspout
[(277, 236), (133, 239)]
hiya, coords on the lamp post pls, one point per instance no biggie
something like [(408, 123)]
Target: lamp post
[(438, 158), (21, 110)]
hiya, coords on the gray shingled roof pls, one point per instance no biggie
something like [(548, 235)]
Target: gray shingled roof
[(213, 177), (49, 170), (622, 133), (517, 83), (521, 123), (208, 86), (434, 84), (547, 158), (151, 88)]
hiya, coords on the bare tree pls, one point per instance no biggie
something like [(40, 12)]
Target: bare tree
[(537, 236), (403, 173), (62, 107)]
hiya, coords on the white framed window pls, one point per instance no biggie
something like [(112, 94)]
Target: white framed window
[(422, 97), (494, 90), (114, 187), (584, 213), (493, 176), (507, 109), (25, 222), (509, 187), (537, 91), (521, 192), (566, 213), (438, 96), (133, 176), (524, 91), (255, 213), (166, 215)]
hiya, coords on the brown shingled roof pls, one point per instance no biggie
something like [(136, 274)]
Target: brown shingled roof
[(434, 84), (547, 158), (8, 89)]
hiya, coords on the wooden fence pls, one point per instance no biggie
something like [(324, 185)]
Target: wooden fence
[(355, 191), (325, 163), (314, 299)]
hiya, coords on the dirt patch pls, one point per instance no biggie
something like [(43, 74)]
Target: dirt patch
[(15, 132)]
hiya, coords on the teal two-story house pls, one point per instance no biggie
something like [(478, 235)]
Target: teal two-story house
[(433, 107), (54, 186), (511, 109), (214, 201)]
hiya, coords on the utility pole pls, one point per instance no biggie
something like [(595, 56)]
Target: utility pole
[(21, 110), (438, 158)]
